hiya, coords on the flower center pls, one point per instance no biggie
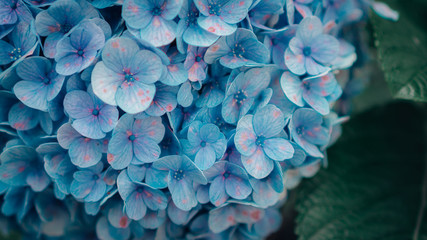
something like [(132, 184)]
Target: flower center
[(203, 144), (66, 27), (307, 85), (192, 18), (95, 112), (139, 190), (129, 78), (179, 174), (306, 51), (15, 54), (95, 177), (238, 50), (80, 52), (157, 11), (240, 96), (198, 59), (215, 9), (260, 141), (132, 137), (226, 174)]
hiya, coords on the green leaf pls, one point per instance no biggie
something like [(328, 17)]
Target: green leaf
[(402, 49), (376, 182)]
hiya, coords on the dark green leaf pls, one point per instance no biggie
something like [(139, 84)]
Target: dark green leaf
[(402, 49), (372, 188)]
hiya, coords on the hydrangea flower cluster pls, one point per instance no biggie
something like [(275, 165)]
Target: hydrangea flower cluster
[(176, 119)]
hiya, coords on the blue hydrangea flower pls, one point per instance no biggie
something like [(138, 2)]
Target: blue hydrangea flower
[(277, 42), (307, 131), (311, 51), (17, 201), (22, 166), (22, 43), (126, 76), (84, 152), (262, 11), (13, 11), (205, 143), (241, 93), (59, 19), (164, 101), (175, 71), (194, 64), (136, 141), (228, 215), (88, 184), (227, 180), (139, 196), (188, 28), (267, 191), (258, 141), (221, 17), (153, 19), (312, 91), (182, 173), (78, 50), (40, 83), (153, 177), (239, 49), (213, 91), (90, 116)]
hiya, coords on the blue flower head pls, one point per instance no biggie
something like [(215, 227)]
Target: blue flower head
[(221, 17), (40, 83), (136, 141), (22, 43), (164, 101), (90, 116), (307, 131), (78, 50), (59, 19), (239, 49), (242, 92), (22, 166), (84, 152), (153, 177), (311, 51), (189, 30), (126, 76), (227, 180), (195, 65), (258, 141), (182, 173), (277, 42), (312, 90), (138, 197), (205, 143), (152, 19), (88, 184), (13, 11)]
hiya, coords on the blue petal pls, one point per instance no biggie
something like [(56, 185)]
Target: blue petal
[(217, 193), (258, 165), (268, 121)]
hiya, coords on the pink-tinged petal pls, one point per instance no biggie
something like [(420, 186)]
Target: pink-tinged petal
[(108, 116), (183, 194), (235, 11), (89, 127), (78, 104), (135, 97), (317, 102), (146, 67), (295, 63), (85, 152), (146, 150), (32, 94), (308, 29), (217, 194), (151, 127), (325, 48), (214, 24), (268, 121), (105, 83), (258, 165), (292, 87), (159, 32), (245, 137), (314, 68), (66, 135), (278, 149), (137, 14), (237, 188), (135, 206)]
